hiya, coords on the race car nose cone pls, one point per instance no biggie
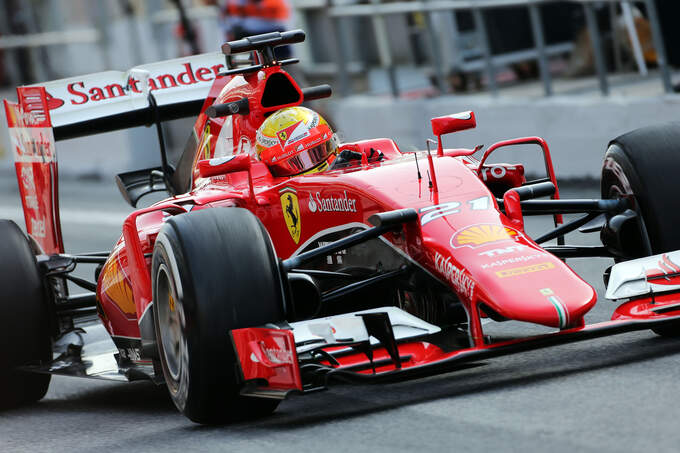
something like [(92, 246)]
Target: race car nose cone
[(544, 292)]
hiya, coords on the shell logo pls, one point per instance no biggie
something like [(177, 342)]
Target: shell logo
[(477, 235)]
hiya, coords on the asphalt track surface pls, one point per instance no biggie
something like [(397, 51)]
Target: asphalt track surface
[(607, 395)]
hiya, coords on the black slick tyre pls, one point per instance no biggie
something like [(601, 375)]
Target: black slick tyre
[(645, 163), (24, 325), (213, 270)]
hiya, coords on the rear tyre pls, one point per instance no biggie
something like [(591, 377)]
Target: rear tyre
[(24, 326), (645, 164), (213, 270)]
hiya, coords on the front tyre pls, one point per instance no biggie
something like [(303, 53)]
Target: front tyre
[(24, 325), (644, 164), (213, 270)]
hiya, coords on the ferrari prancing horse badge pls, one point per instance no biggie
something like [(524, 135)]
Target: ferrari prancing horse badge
[(291, 212)]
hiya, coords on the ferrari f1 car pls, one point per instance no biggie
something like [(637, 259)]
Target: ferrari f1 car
[(242, 287)]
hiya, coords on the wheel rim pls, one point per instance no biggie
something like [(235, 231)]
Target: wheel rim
[(172, 323)]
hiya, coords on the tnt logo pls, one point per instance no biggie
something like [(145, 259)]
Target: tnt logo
[(502, 251)]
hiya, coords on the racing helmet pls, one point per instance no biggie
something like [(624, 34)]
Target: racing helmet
[(296, 140)]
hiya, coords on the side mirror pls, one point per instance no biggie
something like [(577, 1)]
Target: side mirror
[(229, 164), (223, 165), (453, 123)]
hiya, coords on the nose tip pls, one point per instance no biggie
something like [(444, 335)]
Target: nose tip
[(563, 317), (540, 304)]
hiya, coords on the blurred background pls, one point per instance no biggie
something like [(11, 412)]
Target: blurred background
[(577, 73)]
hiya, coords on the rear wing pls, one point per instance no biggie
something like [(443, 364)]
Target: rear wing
[(93, 104), (114, 100)]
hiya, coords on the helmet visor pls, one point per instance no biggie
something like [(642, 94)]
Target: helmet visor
[(304, 160)]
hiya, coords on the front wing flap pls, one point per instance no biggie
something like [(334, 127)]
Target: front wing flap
[(268, 361)]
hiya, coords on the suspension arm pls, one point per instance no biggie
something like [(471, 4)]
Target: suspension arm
[(575, 206)]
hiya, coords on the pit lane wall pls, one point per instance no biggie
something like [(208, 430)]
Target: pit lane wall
[(577, 129)]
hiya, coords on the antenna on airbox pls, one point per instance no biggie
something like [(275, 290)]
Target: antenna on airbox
[(433, 183), (415, 154)]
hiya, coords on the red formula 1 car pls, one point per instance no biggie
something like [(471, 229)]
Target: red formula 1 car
[(243, 287)]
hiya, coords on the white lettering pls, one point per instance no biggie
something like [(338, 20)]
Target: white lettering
[(498, 172), (129, 354), (276, 355), (31, 202), (332, 204), (479, 204), (514, 259), (431, 213), (27, 179), (502, 251), (38, 228)]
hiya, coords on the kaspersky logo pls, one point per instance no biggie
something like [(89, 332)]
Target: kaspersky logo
[(458, 277)]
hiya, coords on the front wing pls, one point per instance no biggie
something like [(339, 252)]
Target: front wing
[(276, 362)]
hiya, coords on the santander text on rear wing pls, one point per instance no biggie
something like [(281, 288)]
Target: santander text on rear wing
[(115, 100), (88, 105)]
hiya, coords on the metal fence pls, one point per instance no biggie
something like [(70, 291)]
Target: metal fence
[(377, 14), (337, 28), (48, 39)]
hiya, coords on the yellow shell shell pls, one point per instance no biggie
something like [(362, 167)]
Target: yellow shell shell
[(482, 234)]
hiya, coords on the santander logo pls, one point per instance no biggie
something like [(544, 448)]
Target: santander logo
[(341, 203), (52, 102), (85, 91)]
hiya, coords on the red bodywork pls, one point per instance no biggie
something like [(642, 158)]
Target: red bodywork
[(462, 239), (36, 166)]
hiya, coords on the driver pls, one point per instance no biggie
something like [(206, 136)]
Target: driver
[(296, 140)]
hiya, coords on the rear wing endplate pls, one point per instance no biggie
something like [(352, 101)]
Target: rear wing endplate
[(35, 161)]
